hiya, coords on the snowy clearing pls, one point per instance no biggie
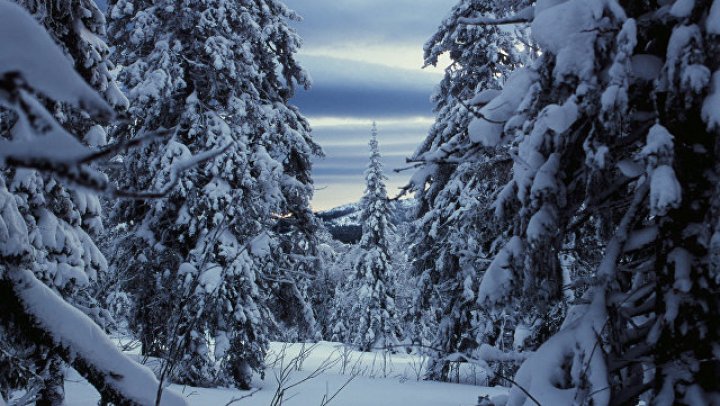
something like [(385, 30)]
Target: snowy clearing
[(394, 382)]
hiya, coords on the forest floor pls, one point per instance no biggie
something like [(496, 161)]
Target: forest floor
[(310, 374)]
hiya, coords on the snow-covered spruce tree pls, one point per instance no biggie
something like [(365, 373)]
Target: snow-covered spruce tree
[(207, 259), (372, 312), (338, 327), (47, 255), (69, 216), (326, 280), (404, 277), (613, 133), (455, 180), (292, 275)]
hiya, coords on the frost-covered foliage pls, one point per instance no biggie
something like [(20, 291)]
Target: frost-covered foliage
[(613, 133), (211, 262), (454, 185), (48, 257), (366, 315), (325, 287), (62, 222)]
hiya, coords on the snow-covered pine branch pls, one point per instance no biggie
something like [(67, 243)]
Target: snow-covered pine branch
[(50, 321), (523, 16)]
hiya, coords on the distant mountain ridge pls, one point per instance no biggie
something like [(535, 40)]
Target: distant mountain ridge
[(343, 222)]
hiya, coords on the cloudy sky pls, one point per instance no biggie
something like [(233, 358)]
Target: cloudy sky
[(365, 58)]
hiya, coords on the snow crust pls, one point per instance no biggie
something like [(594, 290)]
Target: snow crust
[(14, 240), (641, 238), (682, 259), (485, 96), (560, 118), (96, 136), (542, 224), (712, 24), (552, 121), (682, 8), (574, 343), (565, 30), (397, 385), (680, 39), (557, 23), (659, 142)]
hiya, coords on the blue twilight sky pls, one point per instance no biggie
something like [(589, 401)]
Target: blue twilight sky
[(365, 58)]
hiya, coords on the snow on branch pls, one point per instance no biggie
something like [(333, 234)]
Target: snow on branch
[(79, 341), (175, 173), (523, 16), (74, 167), (28, 53), (37, 140)]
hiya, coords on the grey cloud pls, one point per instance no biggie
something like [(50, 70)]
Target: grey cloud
[(355, 165), (363, 21), (350, 88), (337, 71), (363, 102), (338, 138), (393, 150)]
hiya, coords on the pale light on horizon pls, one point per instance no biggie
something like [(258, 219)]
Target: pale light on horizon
[(328, 121)]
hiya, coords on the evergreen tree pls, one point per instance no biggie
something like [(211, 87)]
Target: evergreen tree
[(49, 210), (454, 184), (613, 135), (342, 297), (373, 311), (327, 279), (64, 222), (216, 76)]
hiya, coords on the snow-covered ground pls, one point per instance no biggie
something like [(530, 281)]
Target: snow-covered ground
[(370, 379)]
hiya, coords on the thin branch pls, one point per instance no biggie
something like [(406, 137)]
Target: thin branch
[(175, 172), (235, 400), (122, 146), (477, 114), (326, 400)]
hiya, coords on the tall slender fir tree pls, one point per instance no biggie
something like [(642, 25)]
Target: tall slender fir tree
[(373, 311)]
